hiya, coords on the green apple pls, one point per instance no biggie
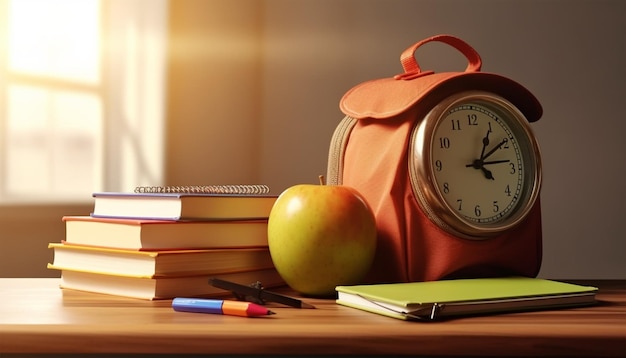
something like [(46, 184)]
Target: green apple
[(321, 236)]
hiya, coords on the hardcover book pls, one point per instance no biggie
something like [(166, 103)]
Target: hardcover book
[(163, 234), (153, 288), (183, 206), (434, 300), (158, 263)]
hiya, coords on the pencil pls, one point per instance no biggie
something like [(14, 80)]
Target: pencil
[(224, 307)]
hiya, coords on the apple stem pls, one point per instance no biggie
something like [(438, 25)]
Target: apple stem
[(322, 180)]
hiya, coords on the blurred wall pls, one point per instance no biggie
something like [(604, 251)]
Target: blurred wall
[(26, 230), (214, 79), (255, 85)]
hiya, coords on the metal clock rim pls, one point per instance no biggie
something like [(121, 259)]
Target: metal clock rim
[(423, 180)]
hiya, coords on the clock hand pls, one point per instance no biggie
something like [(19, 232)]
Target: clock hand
[(479, 164), (476, 164), (496, 162), (485, 142), (487, 173), (489, 153)]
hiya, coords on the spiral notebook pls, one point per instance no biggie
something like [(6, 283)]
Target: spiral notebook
[(211, 202), (237, 189)]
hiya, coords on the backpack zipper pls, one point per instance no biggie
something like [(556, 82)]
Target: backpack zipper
[(338, 142)]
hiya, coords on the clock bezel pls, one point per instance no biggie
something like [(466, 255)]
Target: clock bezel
[(424, 182)]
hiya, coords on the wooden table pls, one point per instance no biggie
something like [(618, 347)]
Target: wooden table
[(38, 317)]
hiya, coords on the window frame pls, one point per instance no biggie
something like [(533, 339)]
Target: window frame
[(133, 128)]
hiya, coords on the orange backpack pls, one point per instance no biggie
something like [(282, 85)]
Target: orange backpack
[(370, 152)]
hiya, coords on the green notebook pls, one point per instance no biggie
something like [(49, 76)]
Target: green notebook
[(434, 300)]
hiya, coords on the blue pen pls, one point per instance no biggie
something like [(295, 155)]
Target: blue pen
[(225, 307)]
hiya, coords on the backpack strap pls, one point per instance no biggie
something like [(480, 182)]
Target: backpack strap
[(411, 66)]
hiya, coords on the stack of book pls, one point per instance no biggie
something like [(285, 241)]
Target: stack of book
[(164, 245)]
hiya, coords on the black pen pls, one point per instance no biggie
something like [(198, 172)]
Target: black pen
[(258, 293)]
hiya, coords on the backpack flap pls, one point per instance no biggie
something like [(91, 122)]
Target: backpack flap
[(388, 97)]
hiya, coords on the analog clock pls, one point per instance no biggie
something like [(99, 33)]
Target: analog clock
[(475, 165)]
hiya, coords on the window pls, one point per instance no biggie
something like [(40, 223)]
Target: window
[(81, 97)]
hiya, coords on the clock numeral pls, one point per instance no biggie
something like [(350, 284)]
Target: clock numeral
[(472, 120), (496, 207), (444, 142), (456, 125), (506, 143), (477, 211), (460, 202), (507, 191), (446, 188), (512, 168), (438, 165)]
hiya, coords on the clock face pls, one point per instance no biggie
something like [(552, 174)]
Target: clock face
[(475, 165)]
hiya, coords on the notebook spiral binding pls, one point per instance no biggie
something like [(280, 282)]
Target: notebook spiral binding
[(241, 189)]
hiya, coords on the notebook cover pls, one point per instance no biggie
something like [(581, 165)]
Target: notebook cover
[(520, 292)]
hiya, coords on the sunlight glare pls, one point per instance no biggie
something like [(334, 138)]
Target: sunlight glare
[(59, 38)]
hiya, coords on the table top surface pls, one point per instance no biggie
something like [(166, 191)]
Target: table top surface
[(36, 316)]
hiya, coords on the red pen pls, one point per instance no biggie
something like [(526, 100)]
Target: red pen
[(225, 307)]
